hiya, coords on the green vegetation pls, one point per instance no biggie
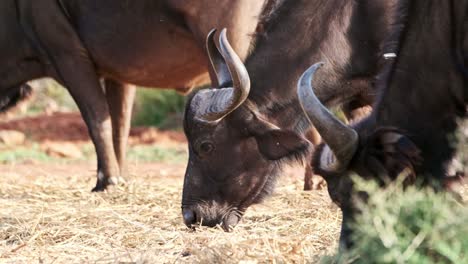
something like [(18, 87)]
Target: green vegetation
[(160, 108), (408, 226), (153, 107), (140, 153), (146, 153), (49, 95), (23, 153)]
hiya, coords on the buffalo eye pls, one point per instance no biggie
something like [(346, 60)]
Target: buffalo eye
[(205, 147)]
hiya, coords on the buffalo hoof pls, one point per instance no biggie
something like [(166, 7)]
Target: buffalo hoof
[(117, 181), (103, 183), (100, 186)]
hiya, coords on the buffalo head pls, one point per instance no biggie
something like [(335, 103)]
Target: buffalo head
[(234, 151), (381, 154), (373, 153)]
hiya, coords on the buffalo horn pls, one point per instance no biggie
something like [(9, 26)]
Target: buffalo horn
[(218, 64), (212, 105), (341, 141)]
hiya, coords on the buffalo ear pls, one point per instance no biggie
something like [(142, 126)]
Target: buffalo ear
[(276, 144)]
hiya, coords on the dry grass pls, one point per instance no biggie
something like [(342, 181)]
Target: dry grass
[(48, 215)]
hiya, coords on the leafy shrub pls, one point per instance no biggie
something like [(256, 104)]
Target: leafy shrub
[(408, 226), (161, 108), (49, 96)]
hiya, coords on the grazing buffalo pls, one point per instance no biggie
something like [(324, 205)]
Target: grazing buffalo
[(157, 43), (422, 93), (242, 132)]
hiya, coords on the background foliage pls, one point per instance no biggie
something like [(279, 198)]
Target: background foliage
[(153, 107), (160, 108), (408, 226)]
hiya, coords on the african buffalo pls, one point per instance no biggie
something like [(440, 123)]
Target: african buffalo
[(156, 43), (241, 133), (422, 93)]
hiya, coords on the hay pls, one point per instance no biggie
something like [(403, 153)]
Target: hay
[(49, 215)]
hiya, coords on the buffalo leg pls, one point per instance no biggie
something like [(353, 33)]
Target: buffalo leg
[(79, 77), (71, 65), (83, 84), (309, 174), (120, 99), (312, 181), (346, 231)]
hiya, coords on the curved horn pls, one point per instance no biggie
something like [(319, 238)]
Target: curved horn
[(342, 141), (217, 61), (240, 76), (212, 105)]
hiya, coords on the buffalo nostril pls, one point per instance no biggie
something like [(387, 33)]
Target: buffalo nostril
[(189, 217)]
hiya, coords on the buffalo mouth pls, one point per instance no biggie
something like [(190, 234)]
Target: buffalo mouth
[(203, 216)]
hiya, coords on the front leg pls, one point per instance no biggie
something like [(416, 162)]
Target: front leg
[(82, 82), (311, 180), (346, 242), (120, 99)]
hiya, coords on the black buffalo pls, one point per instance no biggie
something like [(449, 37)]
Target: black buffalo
[(157, 43), (411, 130), (242, 132)]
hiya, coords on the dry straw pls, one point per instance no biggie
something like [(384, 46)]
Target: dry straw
[(48, 215)]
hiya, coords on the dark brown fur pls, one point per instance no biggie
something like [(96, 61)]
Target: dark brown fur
[(154, 43), (250, 145), (422, 93)]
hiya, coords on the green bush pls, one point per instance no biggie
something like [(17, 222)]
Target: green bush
[(50, 96), (161, 108), (408, 226)]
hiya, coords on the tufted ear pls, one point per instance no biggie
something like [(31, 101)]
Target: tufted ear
[(275, 143), (389, 154)]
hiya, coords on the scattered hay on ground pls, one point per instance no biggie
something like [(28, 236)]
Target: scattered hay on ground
[(49, 215)]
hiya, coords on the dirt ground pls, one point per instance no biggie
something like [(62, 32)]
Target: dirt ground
[(71, 128)]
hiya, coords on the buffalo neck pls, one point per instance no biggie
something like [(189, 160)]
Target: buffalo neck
[(423, 91), (300, 33)]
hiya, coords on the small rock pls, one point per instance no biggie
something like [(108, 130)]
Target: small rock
[(62, 150), (12, 137)]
